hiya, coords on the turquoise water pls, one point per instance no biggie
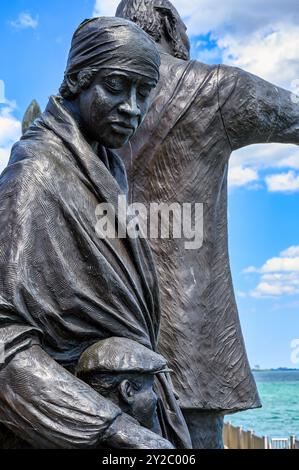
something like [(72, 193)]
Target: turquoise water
[(279, 417)]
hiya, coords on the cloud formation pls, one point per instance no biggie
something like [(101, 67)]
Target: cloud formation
[(105, 8), (10, 127), (241, 176), (283, 182), (278, 276), (24, 21), (269, 158), (271, 54)]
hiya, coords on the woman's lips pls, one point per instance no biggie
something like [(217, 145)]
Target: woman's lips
[(122, 128)]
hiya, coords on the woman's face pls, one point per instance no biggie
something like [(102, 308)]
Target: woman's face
[(113, 107)]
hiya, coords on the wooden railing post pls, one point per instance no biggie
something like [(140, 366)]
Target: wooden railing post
[(237, 438), (250, 439)]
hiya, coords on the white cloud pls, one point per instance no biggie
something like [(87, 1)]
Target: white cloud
[(291, 161), (10, 129), (4, 157), (203, 16), (291, 276), (262, 156), (25, 20), (292, 252), (241, 176), (9, 126), (283, 182), (10, 132), (250, 269), (281, 264), (105, 8), (271, 54), (265, 289), (279, 275)]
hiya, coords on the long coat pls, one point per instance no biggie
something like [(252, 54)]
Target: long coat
[(198, 116)]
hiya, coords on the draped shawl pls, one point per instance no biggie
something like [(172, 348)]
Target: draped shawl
[(60, 284)]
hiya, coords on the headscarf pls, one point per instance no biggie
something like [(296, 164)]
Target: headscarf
[(106, 42)]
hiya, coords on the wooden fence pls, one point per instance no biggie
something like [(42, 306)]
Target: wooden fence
[(237, 438)]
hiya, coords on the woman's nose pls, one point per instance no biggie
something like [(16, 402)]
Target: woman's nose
[(130, 105)]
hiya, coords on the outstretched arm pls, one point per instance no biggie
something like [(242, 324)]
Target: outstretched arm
[(49, 407), (256, 111)]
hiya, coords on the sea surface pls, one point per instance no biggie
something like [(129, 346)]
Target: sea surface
[(279, 417)]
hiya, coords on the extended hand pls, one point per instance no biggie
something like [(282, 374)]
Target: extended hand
[(124, 434)]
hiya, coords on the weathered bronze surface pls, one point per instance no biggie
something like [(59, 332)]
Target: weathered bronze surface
[(32, 112), (124, 371), (199, 114), (63, 288)]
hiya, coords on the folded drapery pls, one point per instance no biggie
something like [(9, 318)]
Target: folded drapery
[(61, 285)]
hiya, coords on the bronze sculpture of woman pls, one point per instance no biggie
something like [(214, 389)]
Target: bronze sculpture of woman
[(62, 288)]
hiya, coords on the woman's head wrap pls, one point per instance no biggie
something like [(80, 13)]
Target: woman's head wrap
[(113, 43)]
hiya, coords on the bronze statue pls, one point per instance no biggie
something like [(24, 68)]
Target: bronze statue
[(32, 112), (124, 371), (198, 115), (63, 288)]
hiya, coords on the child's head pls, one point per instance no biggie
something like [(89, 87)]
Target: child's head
[(124, 371)]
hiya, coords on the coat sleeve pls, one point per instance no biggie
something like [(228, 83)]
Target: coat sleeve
[(40, 401), (255, 111), (49, 407)]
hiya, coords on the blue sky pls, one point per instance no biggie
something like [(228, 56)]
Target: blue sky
[(261, 37)]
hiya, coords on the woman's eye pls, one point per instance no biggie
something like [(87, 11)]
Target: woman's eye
[(114, 84), (144, 92)]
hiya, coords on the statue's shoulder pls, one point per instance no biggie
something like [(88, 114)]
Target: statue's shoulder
[(37, 146), (202, 76), (230, 75), (202, 68), (194, 74), (30, 164)]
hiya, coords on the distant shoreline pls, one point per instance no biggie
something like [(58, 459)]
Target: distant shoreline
[(278, 369), (278, 389)]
